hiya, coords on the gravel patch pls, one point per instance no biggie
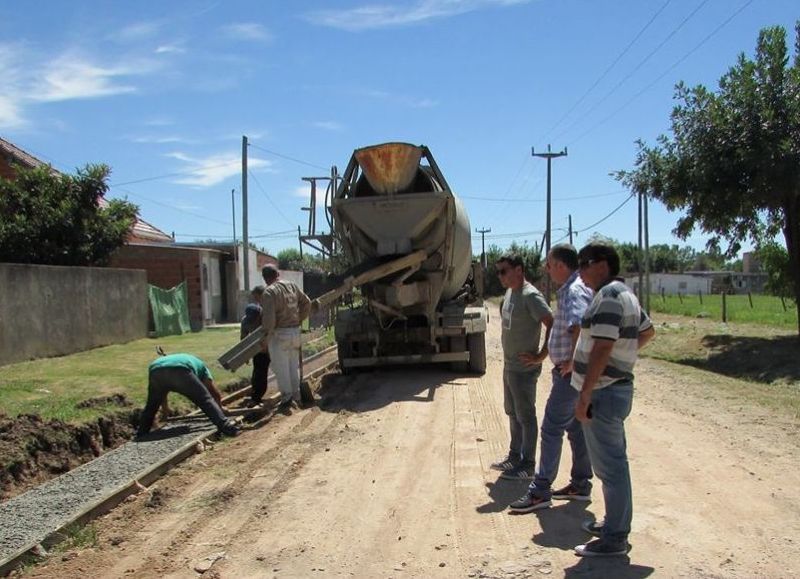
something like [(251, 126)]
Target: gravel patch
[(28, 519)]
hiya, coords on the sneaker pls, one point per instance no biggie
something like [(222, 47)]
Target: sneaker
[(571, 493), (529, 503), (519, 472), (285, 407), (253, 403), (505, 463), (229, 429), (593, 527), (601, 548)]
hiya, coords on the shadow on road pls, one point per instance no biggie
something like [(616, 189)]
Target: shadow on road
[(502, 493), (366, 391), (561, 525), (750, 358), (616, 567)]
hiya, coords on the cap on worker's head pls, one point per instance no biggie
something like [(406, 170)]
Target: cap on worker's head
[(269, 272)]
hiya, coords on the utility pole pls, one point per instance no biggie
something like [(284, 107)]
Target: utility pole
[(549, 156), (570, 228), (235, 249), (233, 214), (646, 258), (483, 233), (245, 241), (640, 256)]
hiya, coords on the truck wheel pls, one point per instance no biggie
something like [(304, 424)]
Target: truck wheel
[(345, 351), (476, 344)]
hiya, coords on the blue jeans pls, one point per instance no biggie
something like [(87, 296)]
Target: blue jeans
[(605, 438), (559, 417), (519, 403)]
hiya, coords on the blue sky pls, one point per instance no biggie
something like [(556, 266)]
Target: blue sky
[(163, 92)]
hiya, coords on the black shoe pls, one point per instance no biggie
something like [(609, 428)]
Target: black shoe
[(520, 472), (229, 429), (529, 503), (506, 462), (285, 407), (572, 493), (593, 527), (601, 548)]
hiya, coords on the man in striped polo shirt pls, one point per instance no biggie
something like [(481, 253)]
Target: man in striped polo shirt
[(613, 329)]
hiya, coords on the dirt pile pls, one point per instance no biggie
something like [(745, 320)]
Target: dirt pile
[(33, 450)]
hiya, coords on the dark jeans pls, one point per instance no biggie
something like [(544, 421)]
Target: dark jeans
[(258, 379), (559, 417), (519, 402), (184, 382)]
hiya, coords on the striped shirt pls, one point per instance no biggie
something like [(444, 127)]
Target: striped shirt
[(572, 299), (614, 314)]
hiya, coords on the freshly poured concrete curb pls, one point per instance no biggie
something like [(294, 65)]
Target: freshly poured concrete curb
[(38, 516)]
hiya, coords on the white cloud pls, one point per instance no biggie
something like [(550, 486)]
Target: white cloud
[(401, 99), (71, 77), (166, 139), (214, 169), (174, 48), (137, 31), (304, 191), (249, 31), (328, 125), (10, 113), (371, 16)]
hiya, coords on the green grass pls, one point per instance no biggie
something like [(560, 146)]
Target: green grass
[(77, 537), (766, 310), (52, 387)]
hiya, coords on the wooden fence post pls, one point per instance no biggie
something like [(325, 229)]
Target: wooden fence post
[(783, 303), (724, 308), (680, 297), (664, 299), (750, 297), (700, 295)]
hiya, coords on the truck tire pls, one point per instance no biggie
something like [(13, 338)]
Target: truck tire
[(344, 350), (476, 344)]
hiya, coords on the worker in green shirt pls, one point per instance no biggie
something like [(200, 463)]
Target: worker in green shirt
[(187, 375)]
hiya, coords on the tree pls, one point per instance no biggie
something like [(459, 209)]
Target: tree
[(58, 219), (530, 256), (774, 260), (732, 163), (290, 259)]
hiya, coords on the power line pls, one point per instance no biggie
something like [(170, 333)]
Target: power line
[(635, 69), (607, 70), (665, 73), (288, 158), (199, 216), (263, 192), (167, 175), (617, 208), (504, 199)]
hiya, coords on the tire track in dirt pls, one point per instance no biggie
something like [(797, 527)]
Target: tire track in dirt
[(258, 482)]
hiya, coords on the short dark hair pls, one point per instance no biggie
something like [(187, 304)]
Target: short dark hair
[(269, 272), (513, 260), (258, 290), (566, 254), (596, 251)]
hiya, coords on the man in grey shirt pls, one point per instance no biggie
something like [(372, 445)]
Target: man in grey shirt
[(523, 312)]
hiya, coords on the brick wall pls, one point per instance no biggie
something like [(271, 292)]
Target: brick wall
[(166, 267)]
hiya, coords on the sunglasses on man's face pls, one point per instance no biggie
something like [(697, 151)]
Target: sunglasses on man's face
[(503, 270), (587, 262)]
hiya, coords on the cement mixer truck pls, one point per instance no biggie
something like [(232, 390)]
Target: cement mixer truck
[(406, 238)]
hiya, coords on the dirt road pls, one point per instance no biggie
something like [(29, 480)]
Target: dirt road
[(390, 478)]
